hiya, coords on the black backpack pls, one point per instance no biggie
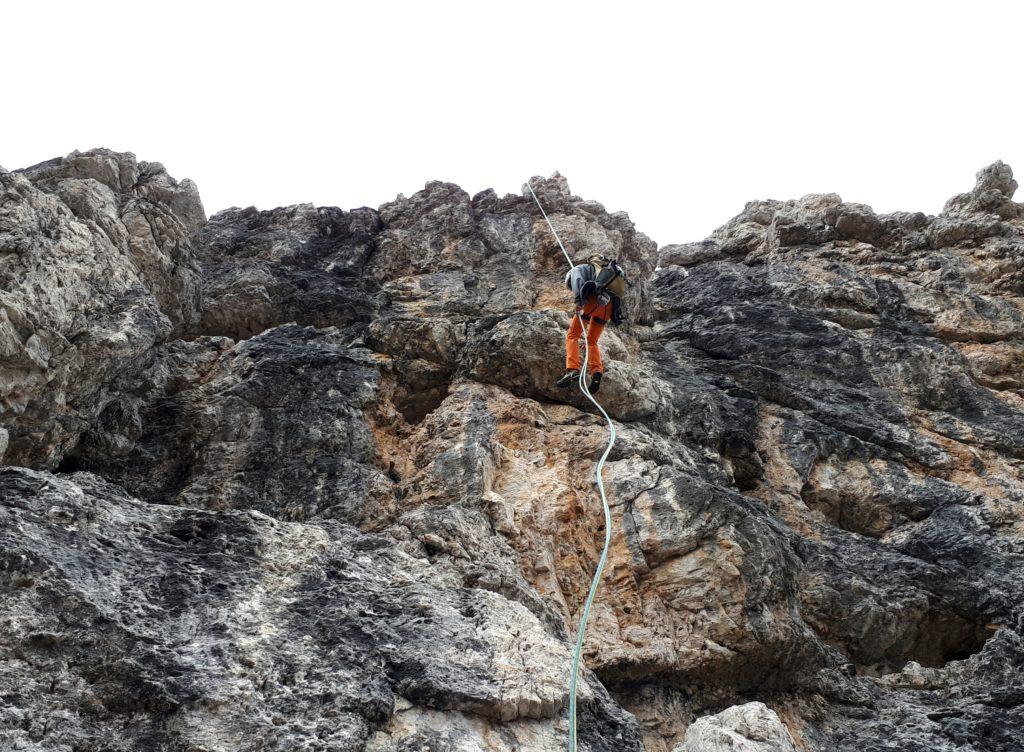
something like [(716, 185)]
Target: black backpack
[(612, 280), (610, 277)]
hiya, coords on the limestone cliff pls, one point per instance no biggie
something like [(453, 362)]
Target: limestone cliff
[(300, 478)]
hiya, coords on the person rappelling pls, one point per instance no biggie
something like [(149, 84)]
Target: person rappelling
[(597, 286), (613, 284)]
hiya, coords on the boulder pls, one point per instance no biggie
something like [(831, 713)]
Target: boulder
[(752, 727)]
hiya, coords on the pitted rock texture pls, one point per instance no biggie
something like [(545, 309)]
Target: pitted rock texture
[(323, 494), (303, 264), (204, 630), (213, 417)]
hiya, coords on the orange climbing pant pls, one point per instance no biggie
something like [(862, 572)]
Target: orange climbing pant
[(595, 317)]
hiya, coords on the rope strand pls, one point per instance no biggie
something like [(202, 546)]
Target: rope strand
[(596, 581)]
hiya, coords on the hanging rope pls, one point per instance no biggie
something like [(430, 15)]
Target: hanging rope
[(594, 583)]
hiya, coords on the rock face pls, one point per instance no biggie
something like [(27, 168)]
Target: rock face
[(300, 478), (238, 628), (97, 269)]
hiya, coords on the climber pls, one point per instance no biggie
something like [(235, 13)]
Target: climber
[(597, 287)]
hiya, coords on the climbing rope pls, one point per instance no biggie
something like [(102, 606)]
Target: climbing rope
[(594, 583)]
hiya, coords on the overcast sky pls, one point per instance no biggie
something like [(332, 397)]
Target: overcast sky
[(677, 116)]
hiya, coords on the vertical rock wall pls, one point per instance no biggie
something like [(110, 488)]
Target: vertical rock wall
[(315, 488)]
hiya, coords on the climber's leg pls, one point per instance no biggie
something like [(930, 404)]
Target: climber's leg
[(598, 319), (573, 361), (594, 362)]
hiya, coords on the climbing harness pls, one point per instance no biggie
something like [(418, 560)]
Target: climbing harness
[(594, 583)]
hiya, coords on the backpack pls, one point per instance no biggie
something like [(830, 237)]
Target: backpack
[(610, 277)]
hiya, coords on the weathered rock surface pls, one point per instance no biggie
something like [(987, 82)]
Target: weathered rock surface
[(303, 264), (273, 423), (229, 630), (752, 727), (315, 488), (96, 269)]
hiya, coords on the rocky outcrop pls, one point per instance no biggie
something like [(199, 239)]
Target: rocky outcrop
[(300, 264), (319, 491), (96, 269), (752, 727)]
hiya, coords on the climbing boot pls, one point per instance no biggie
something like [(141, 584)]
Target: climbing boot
[(595, 382), (568, 379)]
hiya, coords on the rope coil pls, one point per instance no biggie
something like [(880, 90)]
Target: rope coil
[(596, 581)]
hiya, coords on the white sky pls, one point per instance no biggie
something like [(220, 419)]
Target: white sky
[(678, 116)]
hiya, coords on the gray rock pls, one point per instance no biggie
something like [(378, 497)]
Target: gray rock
[(302, 263), (154, 626), (274, 423), (857, 222), (992, 192), (96, 269), (317, 490), (752, 727), (687, 254)]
